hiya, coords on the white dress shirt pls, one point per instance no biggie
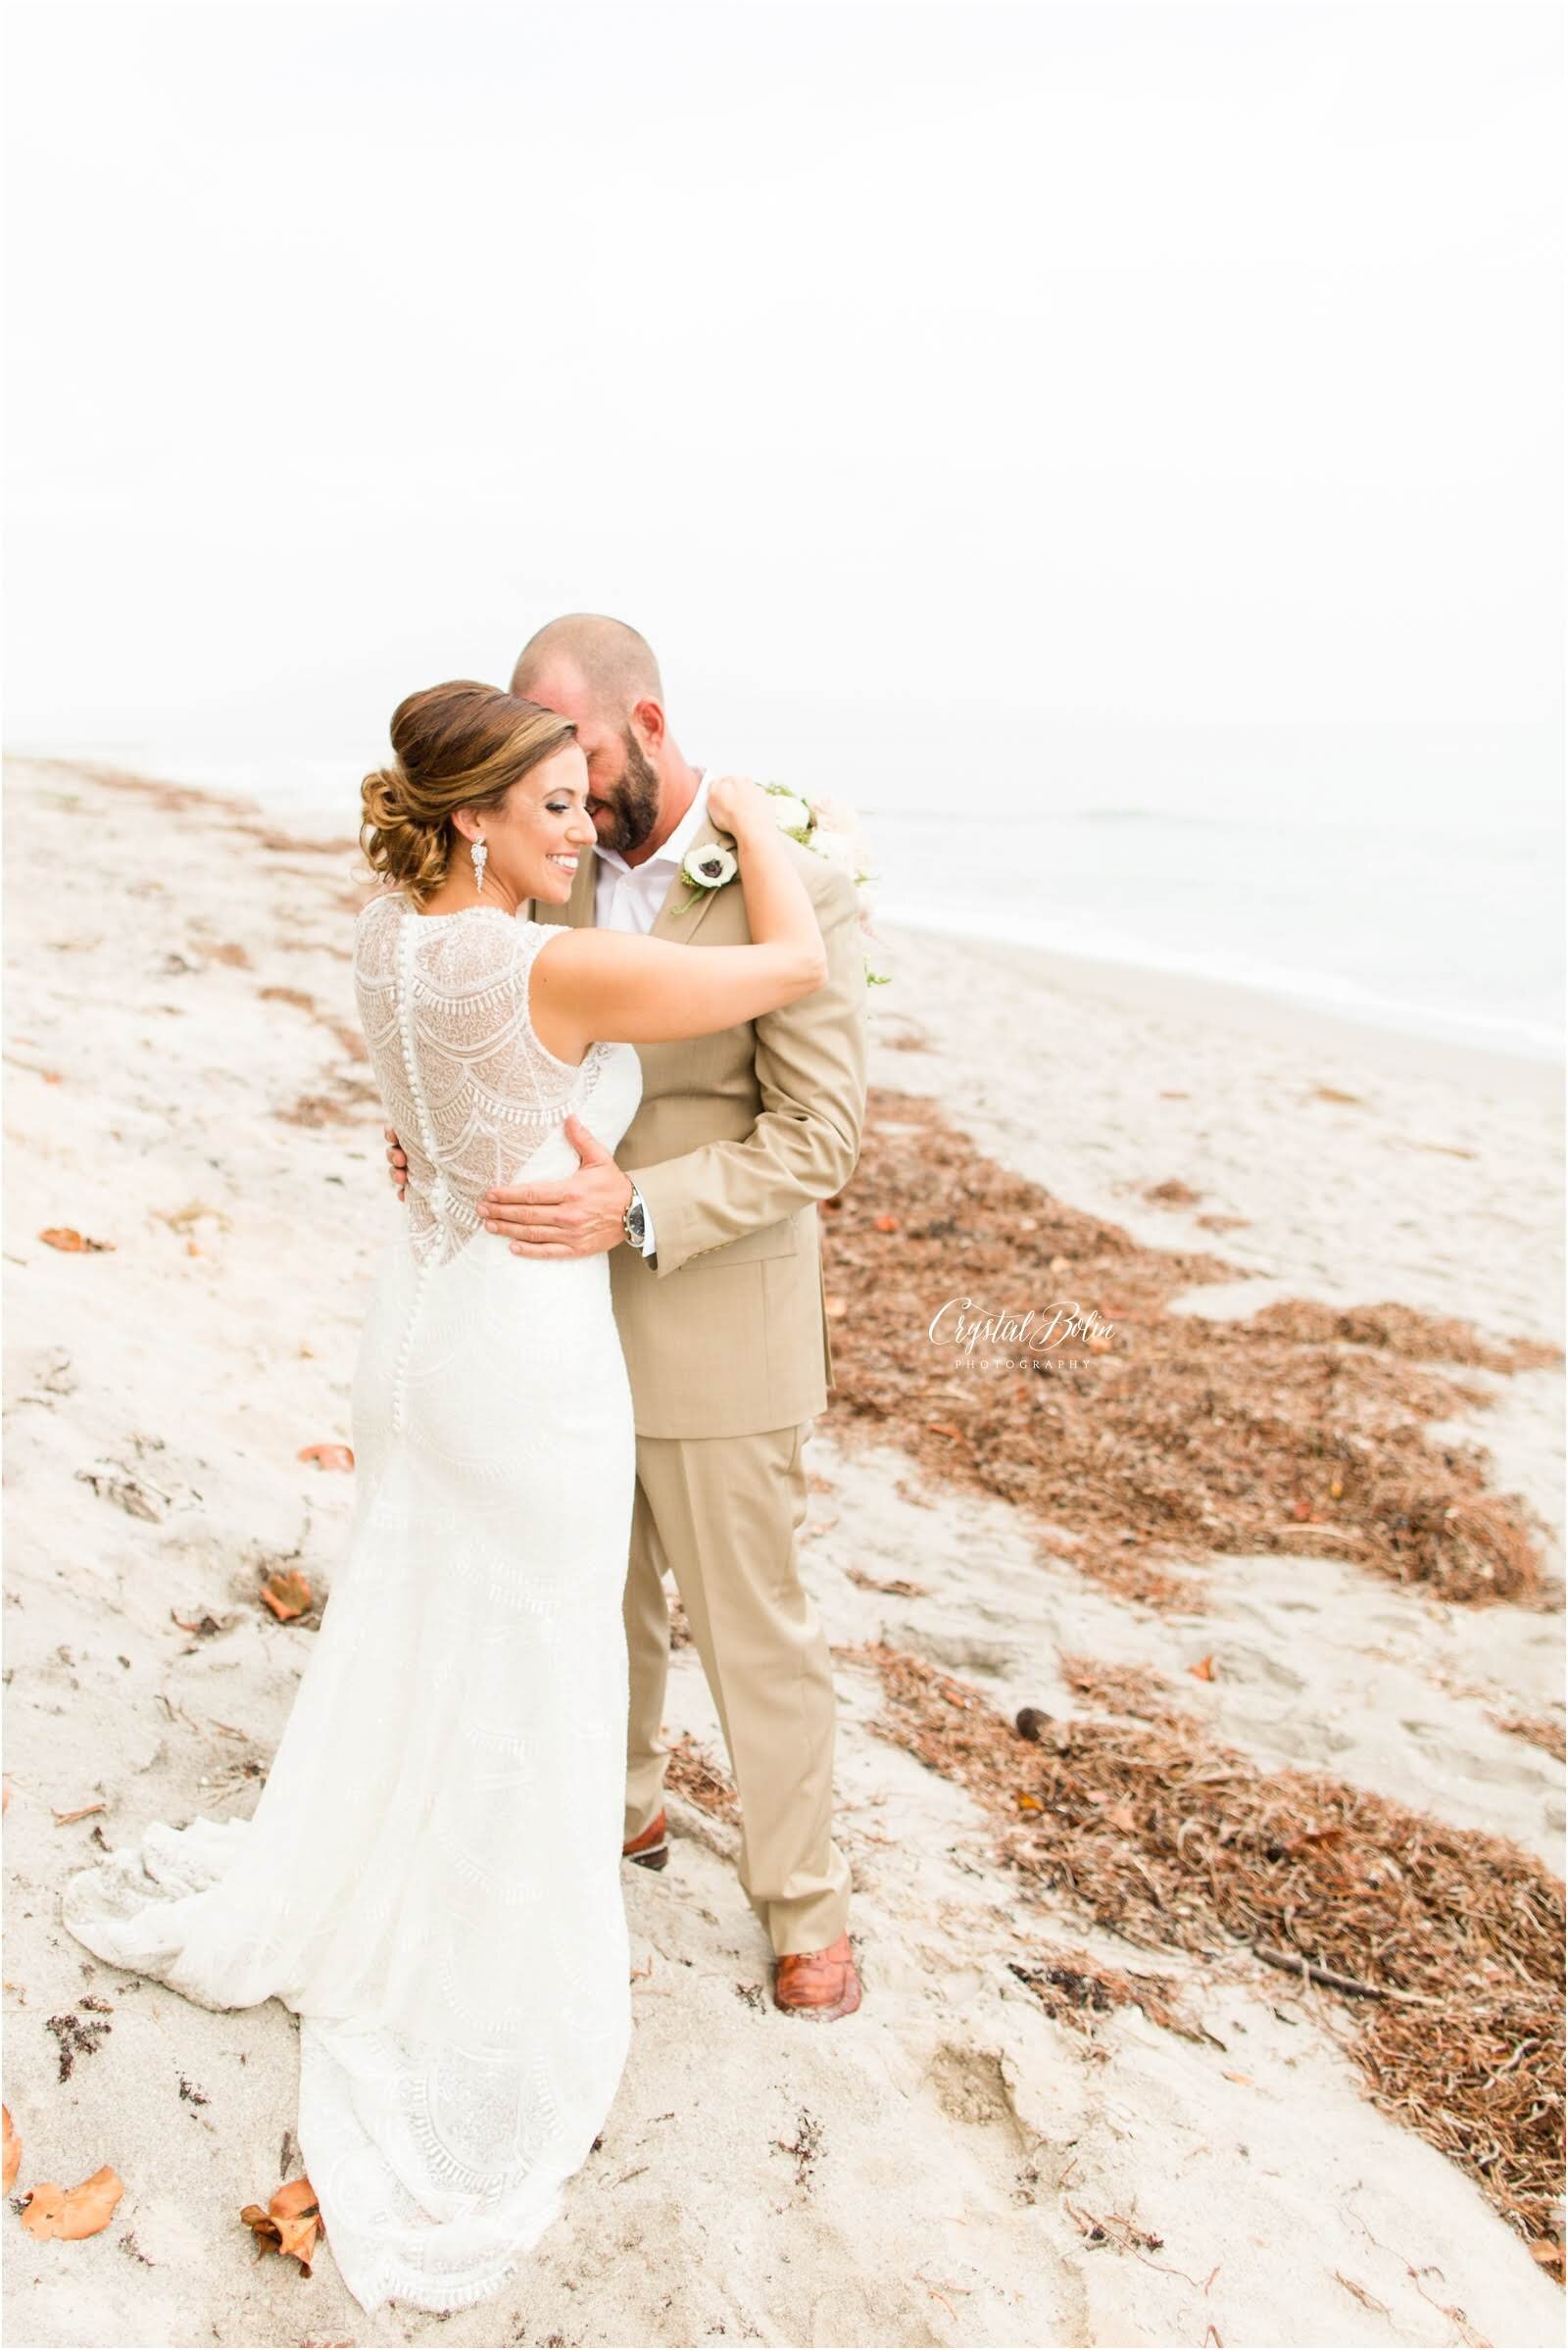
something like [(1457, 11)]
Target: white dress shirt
[(629, 896)]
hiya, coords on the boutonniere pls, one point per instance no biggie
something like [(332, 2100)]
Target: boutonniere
[(827, 827), (708, 868)]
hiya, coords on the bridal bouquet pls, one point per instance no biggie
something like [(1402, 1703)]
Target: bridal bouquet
[(827, 827)]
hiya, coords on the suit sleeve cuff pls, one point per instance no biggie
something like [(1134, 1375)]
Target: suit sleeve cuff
[(649, 1241)]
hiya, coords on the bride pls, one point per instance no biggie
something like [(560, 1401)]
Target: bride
[(431, 1878)]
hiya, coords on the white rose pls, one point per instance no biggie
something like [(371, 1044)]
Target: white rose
[(836, 850), (789, 813), (709, 867)]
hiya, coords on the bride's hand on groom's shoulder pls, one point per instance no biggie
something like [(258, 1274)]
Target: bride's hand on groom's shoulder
[(735, 801)]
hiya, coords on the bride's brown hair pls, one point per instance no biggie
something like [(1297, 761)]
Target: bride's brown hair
[(455, 745)]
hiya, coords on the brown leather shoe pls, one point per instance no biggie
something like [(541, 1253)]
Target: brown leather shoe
[(651, 1849), (819, 1983)]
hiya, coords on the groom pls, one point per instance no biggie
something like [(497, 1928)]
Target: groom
[(715, 1277)]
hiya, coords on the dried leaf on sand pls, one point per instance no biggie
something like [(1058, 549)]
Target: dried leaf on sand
[(287, 1594), (69, 2213), (73, 1243), (290, 2223), (1302, 1429), (13, 2150), (1454, 1939), (328, 1456)]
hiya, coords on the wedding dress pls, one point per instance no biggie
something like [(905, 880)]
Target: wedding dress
[(431, 1878)]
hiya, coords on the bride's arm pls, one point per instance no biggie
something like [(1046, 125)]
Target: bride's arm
[(613, 987), (811, 1063)]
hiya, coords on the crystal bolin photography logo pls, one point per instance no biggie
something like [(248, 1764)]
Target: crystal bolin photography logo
[(1037, 1340)]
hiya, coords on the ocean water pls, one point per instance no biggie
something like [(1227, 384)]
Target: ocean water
[(1433, 914), (1453, 930)]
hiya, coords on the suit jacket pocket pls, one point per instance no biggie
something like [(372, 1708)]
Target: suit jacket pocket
[(768, 1240)]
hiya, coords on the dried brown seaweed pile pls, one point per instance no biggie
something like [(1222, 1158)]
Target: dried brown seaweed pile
[(1118, 1689), (1073, 1989), (1142, 1447), (1544, 1731), (1445, 1945), (692, 1773)]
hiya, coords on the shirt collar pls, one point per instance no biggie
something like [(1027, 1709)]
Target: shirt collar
[(680, 841)]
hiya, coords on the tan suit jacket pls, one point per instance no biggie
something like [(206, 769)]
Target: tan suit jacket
[(738, 1135)]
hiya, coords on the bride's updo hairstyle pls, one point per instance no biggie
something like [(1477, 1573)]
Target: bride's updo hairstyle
[(455, 745)]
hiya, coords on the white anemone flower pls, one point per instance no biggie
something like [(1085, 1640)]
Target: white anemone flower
[(709, 867)]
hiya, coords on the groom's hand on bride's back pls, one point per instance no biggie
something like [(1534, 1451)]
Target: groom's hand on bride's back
[(397, 1163), (580, 1216)]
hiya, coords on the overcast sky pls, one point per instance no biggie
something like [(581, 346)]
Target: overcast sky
[(914, 377)]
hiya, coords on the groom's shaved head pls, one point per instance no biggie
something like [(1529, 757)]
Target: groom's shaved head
[(603, 676), (608, 663)]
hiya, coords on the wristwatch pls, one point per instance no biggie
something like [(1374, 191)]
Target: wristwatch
[(631, 1221)]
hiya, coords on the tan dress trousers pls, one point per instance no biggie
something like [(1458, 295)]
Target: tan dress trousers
[(722, 1514), (738, 1136)]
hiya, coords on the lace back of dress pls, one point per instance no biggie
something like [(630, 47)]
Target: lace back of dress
[(472, 1093)]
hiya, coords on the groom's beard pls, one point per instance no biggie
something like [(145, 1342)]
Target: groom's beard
[(634, 802)]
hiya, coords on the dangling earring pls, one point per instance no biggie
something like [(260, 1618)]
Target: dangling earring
[(478, 853)]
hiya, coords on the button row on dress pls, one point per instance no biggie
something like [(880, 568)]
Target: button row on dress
[(400, 1372)]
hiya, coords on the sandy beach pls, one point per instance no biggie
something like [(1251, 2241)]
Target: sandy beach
[(971, 2160)]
